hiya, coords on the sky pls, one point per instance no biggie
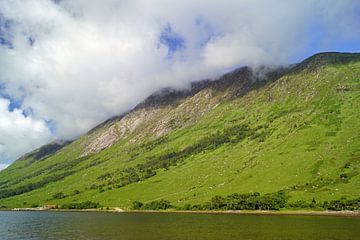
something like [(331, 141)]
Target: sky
[(67, 65)]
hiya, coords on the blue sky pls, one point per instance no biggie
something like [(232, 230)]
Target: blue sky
[(66, 66)]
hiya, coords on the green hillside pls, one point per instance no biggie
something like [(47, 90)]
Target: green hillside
[(296, 130)]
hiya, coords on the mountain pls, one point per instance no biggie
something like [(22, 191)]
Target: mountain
[(293, 129)]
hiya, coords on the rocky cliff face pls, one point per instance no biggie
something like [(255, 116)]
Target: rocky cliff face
[(170, 109)]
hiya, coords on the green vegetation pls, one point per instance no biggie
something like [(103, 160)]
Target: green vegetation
[(59, 195), (32, 186), (253, 201), (294, 139), (153, 205), (81, 205), (342, 204), (48, 150)]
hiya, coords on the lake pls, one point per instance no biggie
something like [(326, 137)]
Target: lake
[(159, 226)]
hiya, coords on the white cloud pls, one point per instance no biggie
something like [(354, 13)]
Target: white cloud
[(95, 59), (19, 134), (3, 166)]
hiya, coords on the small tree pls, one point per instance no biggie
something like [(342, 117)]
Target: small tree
[(313, 203), (217, 202), (59, 195), (136, 205)]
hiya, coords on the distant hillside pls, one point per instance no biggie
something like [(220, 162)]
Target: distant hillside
[(294, 130)]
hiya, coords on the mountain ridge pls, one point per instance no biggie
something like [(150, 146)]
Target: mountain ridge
[(287, 133), (168, 95), (161, 96)]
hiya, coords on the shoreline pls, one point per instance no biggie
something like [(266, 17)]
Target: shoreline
[(260, 213), (232, 212)]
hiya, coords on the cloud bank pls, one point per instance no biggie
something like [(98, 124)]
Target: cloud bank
[(67, 65), (19, 133)]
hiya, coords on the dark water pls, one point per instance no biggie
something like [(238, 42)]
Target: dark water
[(159, 226)]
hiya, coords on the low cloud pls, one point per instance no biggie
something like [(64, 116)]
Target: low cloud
[(19, 133), (3, 166), (74, 63)]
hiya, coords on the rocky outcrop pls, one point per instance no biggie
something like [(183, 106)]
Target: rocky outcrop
[(171, 109)]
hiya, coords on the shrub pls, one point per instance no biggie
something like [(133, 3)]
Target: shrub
[(344, 176), (299, 204), (59, 195), (313, 203), (186, 207), (250, 201), (76, 192), (136, 205), (81, 205), (157, 205), (154, 205), (32, 186), (342, 204), (34, 205)]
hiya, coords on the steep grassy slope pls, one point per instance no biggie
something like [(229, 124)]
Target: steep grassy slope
[(298, 132)]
